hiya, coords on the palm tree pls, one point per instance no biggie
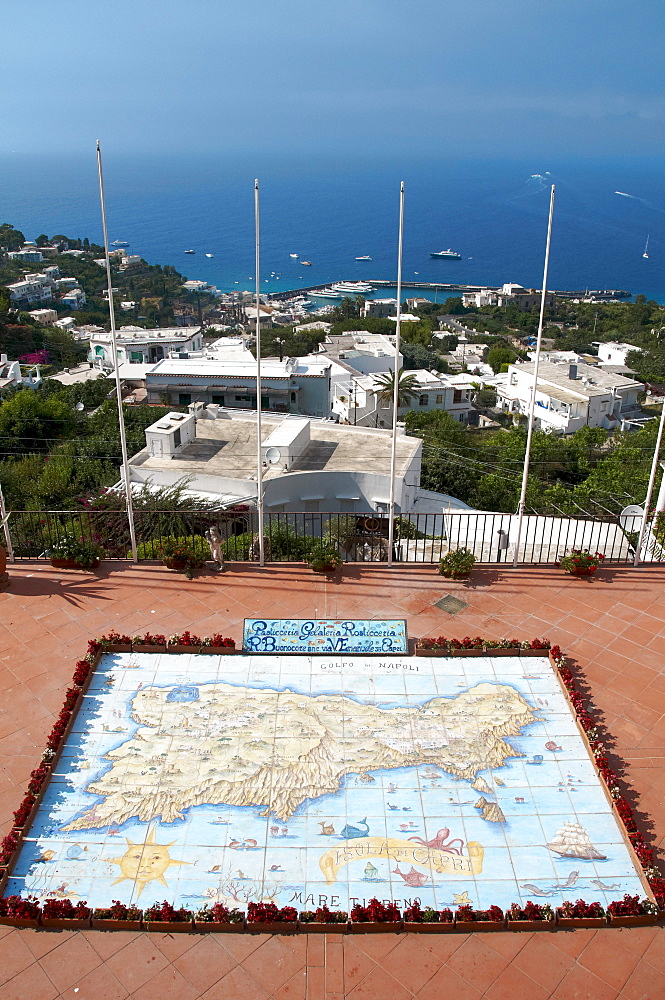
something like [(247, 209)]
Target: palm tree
[(407, 388)]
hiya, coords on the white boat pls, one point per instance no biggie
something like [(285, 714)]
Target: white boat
[(448, 254), (296, 255), (363, 258), (190, 251), (646, 249), (326, 293), (572, 841), (119, 243), (306, 263), (351, 287), (208, 255)]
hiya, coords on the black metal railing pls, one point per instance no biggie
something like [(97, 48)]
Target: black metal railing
[(418, 538)]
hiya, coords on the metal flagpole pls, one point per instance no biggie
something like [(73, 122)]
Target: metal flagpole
[(121, 417), (393, 450), (529, 435), (259, 458), (652, 480)]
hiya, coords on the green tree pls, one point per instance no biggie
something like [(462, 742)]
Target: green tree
[(10, 238), (499, 356), (28, 422), (407, 388)]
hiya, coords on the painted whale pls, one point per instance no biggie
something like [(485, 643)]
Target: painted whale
[(350, 832)]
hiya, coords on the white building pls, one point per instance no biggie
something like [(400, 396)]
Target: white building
[(309, 465), (74, 298), (44, 316), (29, 254), (362, 351), (358, 400), (11, 375), (569, 397), (380, 308), (614, 353), (33, 288), (138, 346)]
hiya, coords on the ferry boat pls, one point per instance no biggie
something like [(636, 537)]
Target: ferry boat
[(351, 287), (447, 254)]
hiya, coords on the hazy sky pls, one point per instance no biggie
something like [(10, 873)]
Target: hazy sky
[(447, 77)]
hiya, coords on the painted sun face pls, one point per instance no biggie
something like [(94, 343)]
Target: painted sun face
[(143, 863)]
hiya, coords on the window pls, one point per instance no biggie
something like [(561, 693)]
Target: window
[(439, 398), (218, 399), (293, 397), (457, 395), (176, 437), (424, 400), (184, 399), (136, 356), (243, 399)]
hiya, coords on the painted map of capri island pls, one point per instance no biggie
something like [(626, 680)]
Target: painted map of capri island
[(324, 779)]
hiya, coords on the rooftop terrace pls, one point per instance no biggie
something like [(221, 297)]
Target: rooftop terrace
[(612, 627)]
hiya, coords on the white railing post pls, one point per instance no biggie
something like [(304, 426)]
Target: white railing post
[(259, 457), (393, 448)]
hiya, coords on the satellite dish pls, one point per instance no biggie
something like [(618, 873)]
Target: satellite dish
[(630, 517), (291, 365), (79, 407), (273, 455)]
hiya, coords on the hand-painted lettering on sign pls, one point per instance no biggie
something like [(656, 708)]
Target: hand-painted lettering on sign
[(324, 636)]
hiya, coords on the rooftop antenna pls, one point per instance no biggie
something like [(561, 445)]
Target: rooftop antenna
[(121, 416), (259, 458), (393, 449), (532, 408)]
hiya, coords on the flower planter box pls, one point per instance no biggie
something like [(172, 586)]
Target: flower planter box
[(169, 926), (314, 927), (273, 927), (110, 924), (530, 925), (582, 571), (472, 926), (503, 651), (219, 927), (579, 921), (439, 651), (532, 652), (431, 927), (145, 647), (633, 920), (376, 926), (324, 569), (116, 647), (465, 652), (66, 923), (176, 564), (177, 648), (218, 650), (20, 921), (72, 564)]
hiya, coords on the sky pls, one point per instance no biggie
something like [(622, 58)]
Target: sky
[(453, 78)]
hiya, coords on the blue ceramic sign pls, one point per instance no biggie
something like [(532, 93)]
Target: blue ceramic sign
[(309, 635)]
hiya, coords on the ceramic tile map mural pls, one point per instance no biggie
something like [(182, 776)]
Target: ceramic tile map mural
[(305, 780), (311, 635)]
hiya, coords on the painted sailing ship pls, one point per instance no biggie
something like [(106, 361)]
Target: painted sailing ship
[(572, 841)]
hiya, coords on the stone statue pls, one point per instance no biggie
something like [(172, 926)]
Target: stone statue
[(214, 541)]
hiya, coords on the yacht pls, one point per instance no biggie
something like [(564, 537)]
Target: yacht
[(296, 255), (190, 251), (351, 287), (448, 254), (119, 243), (327, 293), (306, 263), (363, 258), (208, 255)]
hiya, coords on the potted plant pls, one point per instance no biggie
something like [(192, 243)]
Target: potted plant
[(63, 914), (470, 920), (218, 643), (266, 918), (149, 643), (323, 557), (163, 917), (187, 554), (184, 643), (375, 917), (537, 647), (117, 917), (580, 914), (324, 921), (466, 646), (19, 912), (530, 917), (581, 562), (428, 921), (457, 563), (503, 647), (116, 643), (219, 918), (23, 814), (432, 647), (631, 911), (70, 552)]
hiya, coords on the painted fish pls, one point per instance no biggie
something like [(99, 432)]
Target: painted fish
[(349, 832)]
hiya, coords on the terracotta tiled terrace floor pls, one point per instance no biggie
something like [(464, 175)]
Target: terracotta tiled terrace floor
[(614, 627)]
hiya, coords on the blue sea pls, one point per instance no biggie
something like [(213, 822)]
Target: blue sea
[(493, 213)]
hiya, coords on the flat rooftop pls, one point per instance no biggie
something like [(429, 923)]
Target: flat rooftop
[(227, 448), (614, 631), (599, 380)]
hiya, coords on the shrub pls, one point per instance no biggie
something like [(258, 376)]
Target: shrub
[(65, 909), (219, 914), (166, 913), (581, 559), (457, 563), (375, 912), (77, 549), (322, 915), (118, 911), (190, 550), (323, 555), (267, 913)]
